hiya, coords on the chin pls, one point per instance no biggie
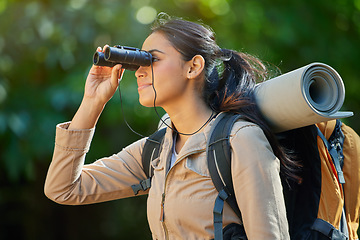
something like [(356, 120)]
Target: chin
[(147, 102)]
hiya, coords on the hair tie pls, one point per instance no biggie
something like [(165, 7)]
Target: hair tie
[(226, 54)]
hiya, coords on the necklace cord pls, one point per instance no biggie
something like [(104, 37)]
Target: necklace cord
[(123, 114)]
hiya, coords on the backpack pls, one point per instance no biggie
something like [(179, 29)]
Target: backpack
[(309, 215)]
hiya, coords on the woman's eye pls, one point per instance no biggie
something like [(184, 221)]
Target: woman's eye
[(155, 59)]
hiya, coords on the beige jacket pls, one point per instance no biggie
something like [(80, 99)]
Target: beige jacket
[(181, 200)]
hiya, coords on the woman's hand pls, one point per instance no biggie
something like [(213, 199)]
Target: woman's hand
[(102, 82), (100, 86)]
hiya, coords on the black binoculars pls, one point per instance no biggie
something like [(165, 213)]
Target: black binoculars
[(130, 58)]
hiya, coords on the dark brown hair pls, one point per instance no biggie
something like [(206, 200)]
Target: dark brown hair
[(230, 77)]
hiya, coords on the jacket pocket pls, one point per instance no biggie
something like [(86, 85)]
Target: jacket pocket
[(198, 164)]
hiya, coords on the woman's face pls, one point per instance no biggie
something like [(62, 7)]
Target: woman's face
[(170, 79)]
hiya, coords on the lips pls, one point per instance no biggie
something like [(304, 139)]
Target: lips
[(143, 85)]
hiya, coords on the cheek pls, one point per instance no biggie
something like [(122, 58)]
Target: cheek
[(169, 83), (170, 75)]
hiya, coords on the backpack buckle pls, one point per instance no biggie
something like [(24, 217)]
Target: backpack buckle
[(143, 185)]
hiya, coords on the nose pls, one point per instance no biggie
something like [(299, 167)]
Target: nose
[(140, 72)]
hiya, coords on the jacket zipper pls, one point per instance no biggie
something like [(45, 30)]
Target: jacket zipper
[(162, 208), (162, 212), (162, 217)]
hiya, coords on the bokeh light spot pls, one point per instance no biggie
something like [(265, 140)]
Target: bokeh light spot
[(46, 28), (3, 93), (146, 15), (77, 4), (2, 6), (104, 15), (219, 7)]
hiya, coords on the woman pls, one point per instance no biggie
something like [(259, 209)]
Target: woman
[(184, 80)]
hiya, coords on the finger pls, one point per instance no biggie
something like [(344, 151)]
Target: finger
[(106, 46), (121, 73), (116, 72), (99, 49)]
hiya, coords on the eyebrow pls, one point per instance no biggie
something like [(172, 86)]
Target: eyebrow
[(155, 50)]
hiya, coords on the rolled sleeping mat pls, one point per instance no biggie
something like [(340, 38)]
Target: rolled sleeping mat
[(305, 96)]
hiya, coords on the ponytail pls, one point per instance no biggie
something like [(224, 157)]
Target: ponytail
[(230, 88), (233, 88)]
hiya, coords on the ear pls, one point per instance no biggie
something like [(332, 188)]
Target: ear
[(195, 67)]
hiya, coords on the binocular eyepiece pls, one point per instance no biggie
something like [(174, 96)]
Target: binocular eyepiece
[(130, 58)]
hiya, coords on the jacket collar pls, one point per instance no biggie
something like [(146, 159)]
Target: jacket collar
[(196, 143)]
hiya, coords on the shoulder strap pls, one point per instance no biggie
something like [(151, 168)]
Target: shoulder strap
[(150, 152), (219, 164), (219, 157)]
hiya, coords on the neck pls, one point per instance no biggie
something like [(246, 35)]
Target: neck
[(187, 122), (189, 114)]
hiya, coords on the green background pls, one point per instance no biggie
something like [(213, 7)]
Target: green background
[(46, 50)]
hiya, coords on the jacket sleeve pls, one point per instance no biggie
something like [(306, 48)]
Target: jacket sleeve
[(257, 184), (69, 181)]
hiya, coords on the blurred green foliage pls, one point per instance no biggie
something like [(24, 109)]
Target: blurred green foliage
[(46, 49)]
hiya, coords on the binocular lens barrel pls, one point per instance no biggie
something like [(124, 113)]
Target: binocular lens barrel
[(99, 60), (130, 58), (128, 55)]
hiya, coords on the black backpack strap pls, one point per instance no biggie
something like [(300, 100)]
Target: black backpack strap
[(150, 152), (219, 163)]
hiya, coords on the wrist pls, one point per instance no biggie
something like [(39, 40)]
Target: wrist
[(87, 115), (92, 104)]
